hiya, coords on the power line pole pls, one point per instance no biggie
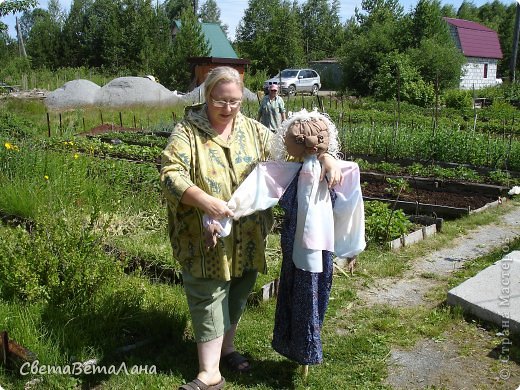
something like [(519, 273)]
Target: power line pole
[(21, 46), (195, 7), (516, 34)]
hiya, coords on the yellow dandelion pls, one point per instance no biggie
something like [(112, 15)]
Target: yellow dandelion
[(76, 155), (10, 146), (46, 177)]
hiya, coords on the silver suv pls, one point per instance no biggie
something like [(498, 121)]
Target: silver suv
[(291, 81)]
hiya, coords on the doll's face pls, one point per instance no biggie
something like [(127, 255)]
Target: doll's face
[(307, 137)]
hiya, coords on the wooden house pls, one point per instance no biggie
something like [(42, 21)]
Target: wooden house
[(221, 53)]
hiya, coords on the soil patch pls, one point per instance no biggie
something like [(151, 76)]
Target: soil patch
[(443, 198)]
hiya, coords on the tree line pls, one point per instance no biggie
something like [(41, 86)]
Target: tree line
[(382, 49)]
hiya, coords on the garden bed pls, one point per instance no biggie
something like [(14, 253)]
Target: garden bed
[(430, 197)]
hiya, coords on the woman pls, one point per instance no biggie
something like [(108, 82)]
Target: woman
[(207, 157)]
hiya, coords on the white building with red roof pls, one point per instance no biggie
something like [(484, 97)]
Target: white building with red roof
[(481, 47)]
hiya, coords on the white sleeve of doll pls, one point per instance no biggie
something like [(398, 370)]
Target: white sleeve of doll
[(263, 187), (349, 213), (261, 190)]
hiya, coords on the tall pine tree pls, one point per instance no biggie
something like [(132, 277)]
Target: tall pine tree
[(189, 42), (210, 13)]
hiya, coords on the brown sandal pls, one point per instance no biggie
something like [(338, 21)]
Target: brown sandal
[(232, 361), (197, 384)]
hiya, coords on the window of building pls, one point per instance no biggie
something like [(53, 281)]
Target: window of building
[(485, 70)]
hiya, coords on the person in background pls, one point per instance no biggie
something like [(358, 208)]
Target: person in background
[(209, 153), (272, 109)]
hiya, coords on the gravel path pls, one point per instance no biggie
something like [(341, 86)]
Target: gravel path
[(410, 288)]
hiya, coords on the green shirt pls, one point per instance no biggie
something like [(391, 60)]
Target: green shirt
[(270, 112), (197, 155)]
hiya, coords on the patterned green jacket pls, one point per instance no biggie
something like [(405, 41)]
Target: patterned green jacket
[(197, 155)]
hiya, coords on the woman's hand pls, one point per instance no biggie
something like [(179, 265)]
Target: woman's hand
[(216, 208), (213, 207), (331, 168)]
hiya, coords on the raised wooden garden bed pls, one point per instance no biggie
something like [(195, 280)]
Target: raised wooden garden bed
[(426, 196)]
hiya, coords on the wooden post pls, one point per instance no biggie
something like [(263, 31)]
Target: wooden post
[(120, 119), (84, 127), (305, 373), (320, 104), (48, 125), (135, 125), (101, 115), (5, 348), (61, 128), (514, 52)]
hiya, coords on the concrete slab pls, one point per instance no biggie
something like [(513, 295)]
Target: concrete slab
[(396, 244), (429, 231), (493, 294), (413, 238)]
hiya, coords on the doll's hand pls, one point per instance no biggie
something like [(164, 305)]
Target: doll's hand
[(331, 168)]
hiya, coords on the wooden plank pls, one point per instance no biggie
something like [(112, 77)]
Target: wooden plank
[(417, 208)]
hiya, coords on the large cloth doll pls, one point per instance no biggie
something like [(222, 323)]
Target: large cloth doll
[(318, 223)]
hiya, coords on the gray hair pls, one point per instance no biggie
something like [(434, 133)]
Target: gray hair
[(221, 74)]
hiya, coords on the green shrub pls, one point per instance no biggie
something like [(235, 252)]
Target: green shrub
[(499, 110), (396, 186), (459, 99), (383, 224), (256, 82), (61, 261)]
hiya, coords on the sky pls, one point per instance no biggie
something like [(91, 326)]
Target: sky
[(232, 11)]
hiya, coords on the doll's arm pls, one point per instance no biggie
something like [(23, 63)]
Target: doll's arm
[(330, 167)]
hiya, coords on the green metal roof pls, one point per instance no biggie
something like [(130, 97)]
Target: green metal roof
[(217, 40)]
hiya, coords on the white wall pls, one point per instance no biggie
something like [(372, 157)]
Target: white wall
[(473, 73), (473, 70)]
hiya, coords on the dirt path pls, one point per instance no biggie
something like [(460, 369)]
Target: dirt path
[(410, 288), (451, 362)]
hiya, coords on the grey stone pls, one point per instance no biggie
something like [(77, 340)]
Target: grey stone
[(493, 294)]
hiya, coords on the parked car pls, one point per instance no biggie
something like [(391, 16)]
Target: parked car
[(292, 81)]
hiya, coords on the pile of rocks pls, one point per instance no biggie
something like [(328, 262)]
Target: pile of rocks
[(122, 92)]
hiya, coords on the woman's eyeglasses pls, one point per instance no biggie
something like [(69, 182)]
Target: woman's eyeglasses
[(224, 103)]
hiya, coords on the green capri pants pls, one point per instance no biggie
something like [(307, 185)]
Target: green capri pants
[(216, 304)]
